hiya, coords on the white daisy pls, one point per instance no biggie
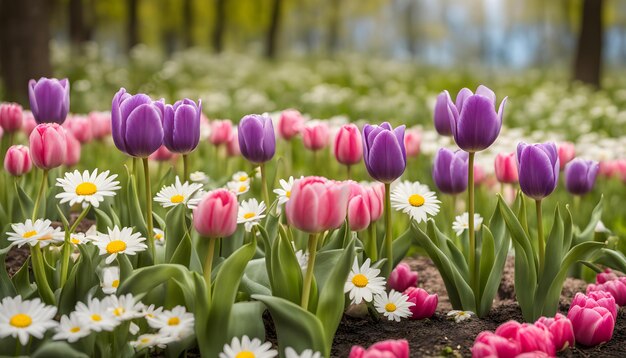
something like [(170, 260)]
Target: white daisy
[(78, 238), (72, 328), (415, 199), (239, 188), (96, 314), (159, 236), (133, 328), (119, 242), (461, 223), (241, 177), (393, 306), (125, 307), (248, 348), (199, 177), (22, 319), (91, 188), (110, 279), (303, 259), (307, 353), (284, 192), (186, 193), (460, 316), (40, 232), (364, 283), (151, 311), (150, 340), (176, 323), (250, 213)]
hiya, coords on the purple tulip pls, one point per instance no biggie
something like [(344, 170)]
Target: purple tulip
[(384, 153), (257, 140), (580, 176), (49, 99), (181, 126), (477, 126), (445, 114), (136, 123), (450, 171), (538, 168)]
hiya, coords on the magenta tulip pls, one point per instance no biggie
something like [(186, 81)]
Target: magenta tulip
[(561, 329), (315, 135), (592, 326), (489, 344), (348, 148), (402, 278), (221, 131), (529, 337), (616, 287), (11, 117), (425, 304), (290, 124), (17, 161), (596, 299), (216, 214), (384, 349), (506, 168), (80, 127), (607, 275), (48, 146)]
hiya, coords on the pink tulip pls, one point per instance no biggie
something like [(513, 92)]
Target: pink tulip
[(221, 131), (375, 194), (316, 135), (596, 299), (605, 276), (616, 287), (17, 160), (412, 142), (348, 146), (561, 329), (317, 204), (567, 152), (529, 337), (620, 169), (402, 278), (161, 155), (216, 214), (80, 127), (358, 213), (592, 326), (100, 124), (506, 168), (385, 349), (48, 146), (72, 156), (232, 147), (29, 122), (479, 174), (489, 344), (290, 124), (533, 354), (11, 117), (425, 304)]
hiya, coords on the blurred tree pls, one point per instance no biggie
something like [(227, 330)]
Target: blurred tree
[(219, 25), (588, 63), (24, 48), (271, 42), (188, 23), (132, 23), (77, 30), (334, 20)]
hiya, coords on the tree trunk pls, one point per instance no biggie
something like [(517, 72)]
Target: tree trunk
[(78, 31), (24, 45), (132, 24), (409, 28), (588, 64), (272, 32), (333, 26), (188, 23), (219, 26)]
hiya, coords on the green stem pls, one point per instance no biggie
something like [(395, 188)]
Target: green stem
[(470, 219), (308, 278), (349, 171), (266, 194), (39, 269), (388, 232), (208, 265), (185, 167), (65, 261), (540, 242), (146, 174), (372, 246), (42, 189)]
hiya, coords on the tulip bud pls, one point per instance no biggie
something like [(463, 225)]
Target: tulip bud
[(445, 114), (358, 207), (315, 135), (221, 131), (402, 278), (425, 304), (489, 344), (592, 326), (11, 117), (506, 168), (290, 124), (100, 124), (384, 349), (450, 171), (348, 146), (232, 147), (561, 329), (49, 99), (216, 214), (257, 141), (181, 126), (567, 152), (538, 169), (412, 142), (17, 160), (605, 276), (72, 156), (616, 287), (384, 152), (595, 299), (48, 146), (375, 193), (80, 127), (29, 122), (580, 176)]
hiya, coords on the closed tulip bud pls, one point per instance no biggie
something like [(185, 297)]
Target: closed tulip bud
[(606, 275), (358, 213), (315, 135), (616, 287), (620, 169), (29, 122), (477, 125), (161, 155), (216, 214), (348, 146), (72, 156), (445, 114), (402, 278), (232, 147), (290, 124), (49, 99), (450, 171), (425, 304), (412, 142), (595, 299), (489, 344), (221, 131), (506, 168), (181, 126), (592, 326), (529, 337), (48, 146), (136, 123), (580, 176), (385, 349), (80, 127), (11, 117), (17, 160), (384, 152), (538, 169), (375, 194), (257, 141), (567, 152), (561, 329), (100, 124), (317, 204)]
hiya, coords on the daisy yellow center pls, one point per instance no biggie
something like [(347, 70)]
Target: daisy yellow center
[(96, 317), (288, 193), (116, 246), (115, 283), (149, 315), (158, 236), (86, 188), (118, 311), (174, 321), (243, 178), (390, 307), (245, 354), (416, 200), (75, 329), (29, 234), (359, 280), (242, 188), (44, 238), (145, 340), (20, 320), (177, 199), (75, 241), (248, 215)]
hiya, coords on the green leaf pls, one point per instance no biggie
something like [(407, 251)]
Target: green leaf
[(21, 281), (554, 257), (596, 215), (6, 285), (286, 274), (103, 222), (26, 204), (183, 252), (613, 259), (401, 246), (567, 230), (57, 349), (487, 257), (246, 319), (489, 288), (79, 283), (174, 230), (255, 279)]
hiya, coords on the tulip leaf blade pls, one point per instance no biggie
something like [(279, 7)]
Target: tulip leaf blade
[(174, 230), (553, 263), (246, 319), (286, 273)]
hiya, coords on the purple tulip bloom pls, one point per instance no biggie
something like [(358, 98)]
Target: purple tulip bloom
[(383, 151), (477, 125), (49, 99), (181, 126), (450, 171), (445, 114), (538, 168), (257, 140), (136, 123), (580, 176)]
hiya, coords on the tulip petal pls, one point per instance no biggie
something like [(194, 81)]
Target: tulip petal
[(144, 131)]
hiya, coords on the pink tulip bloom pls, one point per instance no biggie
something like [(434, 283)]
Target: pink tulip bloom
[(425, 304), (316, 135), (348, 146), (161, 155), (48, 146), (489, 344), (80, 127), (529, 337), (232, 147), (358, 213), (290, 124), (592, 326), (620, 169), (100, 124), (11, 117), (402, 278), (29, 122), (72, 156), (596, 299), (605, 276), (385, 349), (567, 152), (216, 214), (561, 329), (616, 287), (506, 168), (533, 354), (412, 142), (479, 174), (17, 160), (317, 204), (375, 194), (221, 131)]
